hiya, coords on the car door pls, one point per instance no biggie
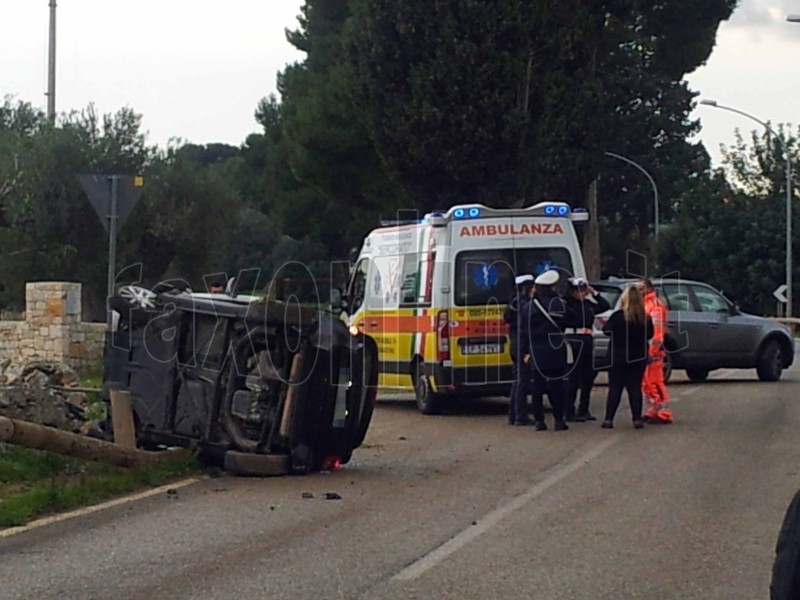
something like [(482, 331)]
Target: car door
[(686, 328), (729, 335)]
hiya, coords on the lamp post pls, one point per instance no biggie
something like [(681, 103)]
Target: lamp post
[(714, 104), (793, 18), (51, 66), (652, 184)]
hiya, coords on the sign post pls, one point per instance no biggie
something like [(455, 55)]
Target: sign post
[(780, 296), (113, 198)]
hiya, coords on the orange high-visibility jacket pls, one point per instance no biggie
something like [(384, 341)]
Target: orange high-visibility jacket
[(655, 308)]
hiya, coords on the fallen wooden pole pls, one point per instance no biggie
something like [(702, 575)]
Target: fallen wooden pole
[(41, 437)]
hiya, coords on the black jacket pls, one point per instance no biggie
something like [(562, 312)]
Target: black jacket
[(785, 583), (512, 316), (581, 313), (540, 338), (629, 341)]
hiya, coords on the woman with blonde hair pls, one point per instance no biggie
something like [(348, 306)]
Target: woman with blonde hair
[(630, 329)]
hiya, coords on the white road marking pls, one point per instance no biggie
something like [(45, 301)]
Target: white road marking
[(723, 374), (11, 531), (433, 558)]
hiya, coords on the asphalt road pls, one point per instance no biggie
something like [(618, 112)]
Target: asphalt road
[(463, 506)]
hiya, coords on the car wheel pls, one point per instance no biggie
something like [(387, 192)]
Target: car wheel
[(428, 402), (770, 362), (696, 374), (138, 296), (666, 367)]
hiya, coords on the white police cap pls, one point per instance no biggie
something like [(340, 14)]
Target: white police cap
[(548, 278), (578, 282), (520, 279)]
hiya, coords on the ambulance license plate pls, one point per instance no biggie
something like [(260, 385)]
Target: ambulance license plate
[(483, 349)]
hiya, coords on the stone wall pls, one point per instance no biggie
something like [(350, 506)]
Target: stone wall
[(52, 329)]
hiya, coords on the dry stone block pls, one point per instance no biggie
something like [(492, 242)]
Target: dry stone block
[(55, 306)]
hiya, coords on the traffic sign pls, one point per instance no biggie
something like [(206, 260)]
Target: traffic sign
[(113, 198), (99, 189), (779, 293)]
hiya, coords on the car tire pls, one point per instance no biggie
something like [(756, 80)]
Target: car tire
[(697, 374), (769, 365), (666, 367), (428, 402)]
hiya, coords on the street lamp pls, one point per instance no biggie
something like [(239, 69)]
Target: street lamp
[(714, 104), (652, 183), (793, 18)]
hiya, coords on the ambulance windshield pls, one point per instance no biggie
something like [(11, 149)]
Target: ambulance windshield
[(487, 276)]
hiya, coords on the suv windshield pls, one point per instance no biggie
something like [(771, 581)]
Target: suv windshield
[(486, 276)]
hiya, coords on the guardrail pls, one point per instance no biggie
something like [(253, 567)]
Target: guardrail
[(791, 322)]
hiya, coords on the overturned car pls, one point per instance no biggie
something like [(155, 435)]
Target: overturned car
[(259, 386)]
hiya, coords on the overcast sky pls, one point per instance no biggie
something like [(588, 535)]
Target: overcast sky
[(196, 69)]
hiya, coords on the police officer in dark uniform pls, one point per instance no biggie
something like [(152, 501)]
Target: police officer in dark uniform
[(785, 583), (513, 317), (543, 348), (583, 303)]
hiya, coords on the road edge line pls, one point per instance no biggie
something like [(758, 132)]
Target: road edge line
[(87, 510)]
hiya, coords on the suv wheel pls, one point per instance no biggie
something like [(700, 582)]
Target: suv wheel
[(769, 365), (697, 374), (428, 402), (667, 367)]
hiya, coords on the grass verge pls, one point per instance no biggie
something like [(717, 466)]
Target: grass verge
[(34, 483)]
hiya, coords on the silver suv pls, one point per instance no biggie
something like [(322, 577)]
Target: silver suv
[(705, 331)]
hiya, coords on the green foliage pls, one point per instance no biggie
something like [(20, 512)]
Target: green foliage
[(731, 230), (328, 181), (33, 482), (418, 104), (202, 210), (440, 86)]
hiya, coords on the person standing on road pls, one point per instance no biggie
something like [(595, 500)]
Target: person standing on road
[(512, 315), (631, 330), (785, 584), (653, 385), (583, 303), (544, 349)]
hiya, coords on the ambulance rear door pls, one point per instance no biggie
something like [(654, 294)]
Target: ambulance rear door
[(487, 255)]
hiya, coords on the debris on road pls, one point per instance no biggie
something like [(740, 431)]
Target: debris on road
[(39, 392)]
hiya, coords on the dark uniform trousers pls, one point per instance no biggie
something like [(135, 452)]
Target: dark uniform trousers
[(581, 375), (518, 407), (549, 375), (536, 383), (512, 411), (553, 382)]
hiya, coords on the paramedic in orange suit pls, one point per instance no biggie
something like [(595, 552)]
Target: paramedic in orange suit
[(653, 386)]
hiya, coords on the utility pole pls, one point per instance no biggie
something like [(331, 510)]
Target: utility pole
[(51, 66)]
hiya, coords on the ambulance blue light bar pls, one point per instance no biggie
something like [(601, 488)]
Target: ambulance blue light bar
[(551, 208), (467, 212)]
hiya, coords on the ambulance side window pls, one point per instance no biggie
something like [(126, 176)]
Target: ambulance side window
[(409, 287), (358, 285), (383, 283)]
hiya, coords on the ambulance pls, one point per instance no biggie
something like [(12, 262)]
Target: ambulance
[(431, 292)]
